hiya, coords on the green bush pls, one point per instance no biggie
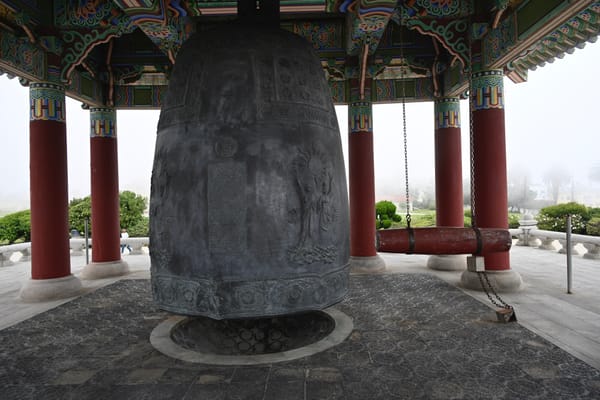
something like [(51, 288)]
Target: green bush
[(467, 220), (140, 229), (131, 208), (385, 213), (513, 220), (554, 218), (79, 211), (593, 227), (16, 227)]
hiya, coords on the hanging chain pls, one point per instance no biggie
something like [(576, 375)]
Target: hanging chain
[(404, 130), (487, 287), (471, 134), (408, 217)]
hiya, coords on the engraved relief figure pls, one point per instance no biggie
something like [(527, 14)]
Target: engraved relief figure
[(228, 102), (314, 181)]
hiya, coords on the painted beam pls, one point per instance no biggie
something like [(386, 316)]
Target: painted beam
[(366, 23)]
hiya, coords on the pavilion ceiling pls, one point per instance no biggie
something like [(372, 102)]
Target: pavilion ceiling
[(121, 52)]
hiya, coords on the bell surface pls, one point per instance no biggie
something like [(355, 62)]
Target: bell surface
[(249, 207)]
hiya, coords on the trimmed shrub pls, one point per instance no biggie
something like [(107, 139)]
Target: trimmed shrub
[(593, 227), (594, 212), (15, 227), (385, 213), (554, 218), (513, 220)]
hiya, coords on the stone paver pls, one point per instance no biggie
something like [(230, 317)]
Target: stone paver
[(415, 337)]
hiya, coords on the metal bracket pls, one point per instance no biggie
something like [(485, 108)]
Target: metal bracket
[(506, 315), (475, 264)]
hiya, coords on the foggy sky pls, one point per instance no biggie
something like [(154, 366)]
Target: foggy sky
[(551, 122)]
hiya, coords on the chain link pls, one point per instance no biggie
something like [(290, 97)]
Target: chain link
[(408, 217), (500, 303), (471, 135), (404, 130)]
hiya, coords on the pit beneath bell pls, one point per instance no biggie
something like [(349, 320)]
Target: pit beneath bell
[(251, 341), (252, 336)]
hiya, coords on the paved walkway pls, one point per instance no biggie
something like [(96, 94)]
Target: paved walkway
[(569, 321)]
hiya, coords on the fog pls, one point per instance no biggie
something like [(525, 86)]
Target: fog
[(552, 139)]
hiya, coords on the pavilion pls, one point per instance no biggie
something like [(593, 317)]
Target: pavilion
[(119, 54)]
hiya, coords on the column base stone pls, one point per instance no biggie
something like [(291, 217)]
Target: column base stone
[(367, 265), (39, 290), (505, 281), (101, 270), (450, 262)]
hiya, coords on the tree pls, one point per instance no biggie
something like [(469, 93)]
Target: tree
[(131, 208), (79, 211), (555, 178), (594, 173), (520, 194)]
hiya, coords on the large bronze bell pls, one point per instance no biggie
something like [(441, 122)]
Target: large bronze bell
[(249, 210)]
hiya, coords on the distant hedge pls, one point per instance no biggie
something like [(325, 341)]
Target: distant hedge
[(15, 227), (554, 218)]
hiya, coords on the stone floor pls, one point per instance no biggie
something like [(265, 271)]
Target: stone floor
[(415, 337)]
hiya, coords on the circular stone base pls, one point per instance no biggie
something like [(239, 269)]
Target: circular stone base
[(503, 281), (101, 270), (38, 290), (250, 341), (366, 265), (447, 262)]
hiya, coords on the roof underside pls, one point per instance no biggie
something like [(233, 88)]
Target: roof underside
[(121, 52)]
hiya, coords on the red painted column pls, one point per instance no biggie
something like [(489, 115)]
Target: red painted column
[(50, 253), (105, 185), (362, 194), (490, 187), (448, 178), (361, 176), (448, 163)]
